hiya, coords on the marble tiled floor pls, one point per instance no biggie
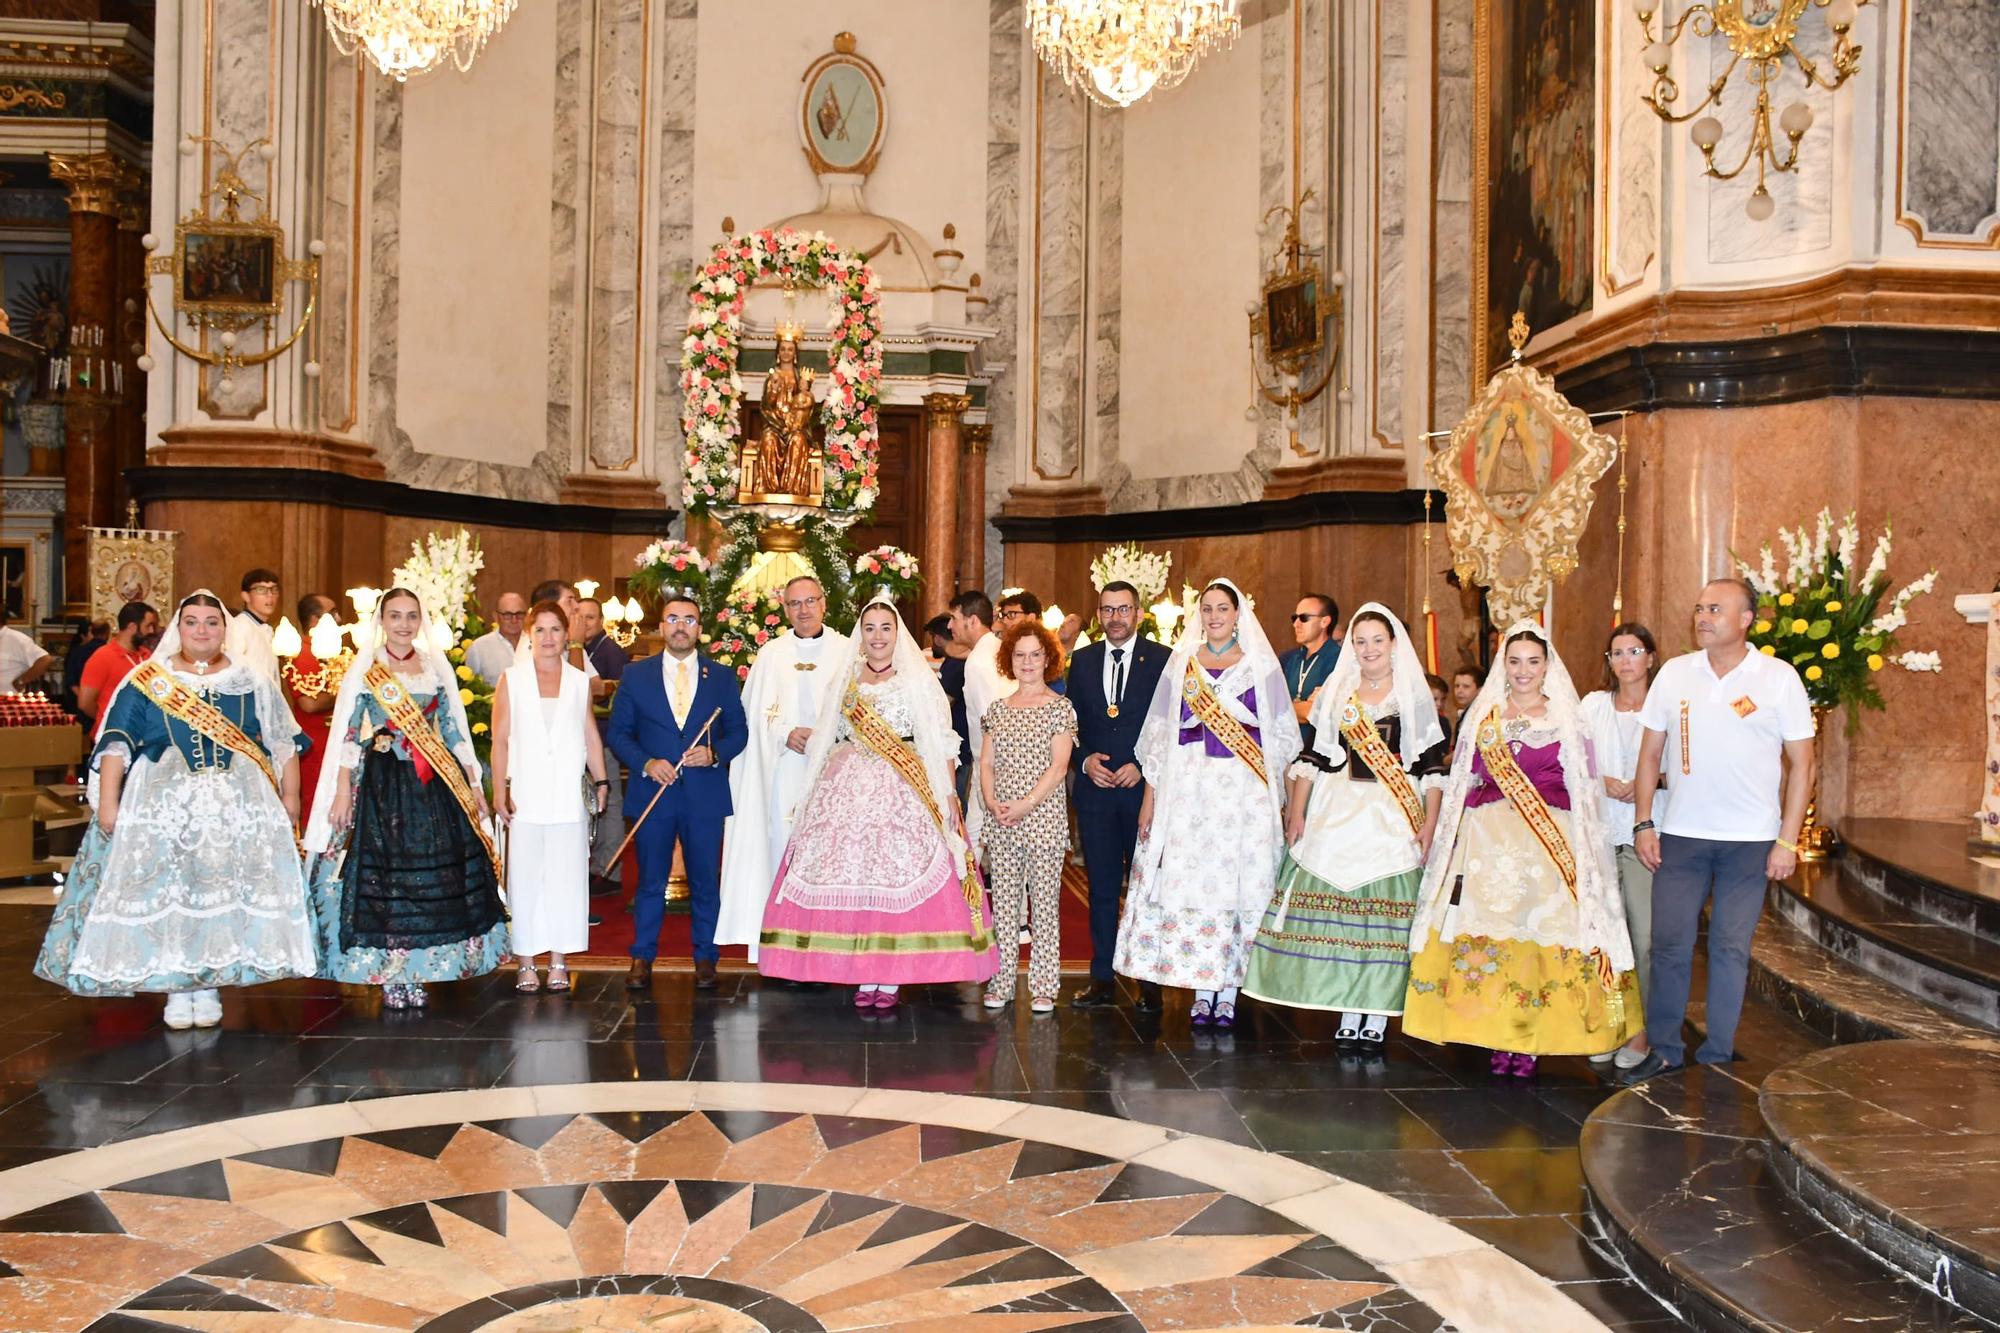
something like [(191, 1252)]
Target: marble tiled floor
[(1257, 1115)]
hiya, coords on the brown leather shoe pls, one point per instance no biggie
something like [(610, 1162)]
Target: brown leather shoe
[(704, 974), (640, 975)]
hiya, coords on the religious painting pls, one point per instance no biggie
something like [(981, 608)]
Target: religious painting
[(842, 111), (1517, 478), (1536, 156), (1291, 316), (227, 268), (129, 565)]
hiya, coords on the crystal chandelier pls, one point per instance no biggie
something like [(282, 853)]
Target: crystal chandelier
[(1120, 50), (1763, 33), (405, 37)]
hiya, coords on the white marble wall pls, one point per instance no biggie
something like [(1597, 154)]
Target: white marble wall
[(1390, 166), (1452, 238), (1803, 222), (674, 232), (242, 82), (343, 157), (1062, 208), (617, 220), (1951, 129), (1006, 62)]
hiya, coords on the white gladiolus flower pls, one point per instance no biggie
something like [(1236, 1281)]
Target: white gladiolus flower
[(1920, 662), (1822, 537), (1878, 563), (1850, 543), (1767, 573), (1794, 563)]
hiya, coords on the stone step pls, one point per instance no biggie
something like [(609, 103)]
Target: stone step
[(1836, 1000), (1896, 1144), (1927, 868), (1942, 965)]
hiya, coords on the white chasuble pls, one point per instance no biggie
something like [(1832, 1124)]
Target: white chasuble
[(787, 684)]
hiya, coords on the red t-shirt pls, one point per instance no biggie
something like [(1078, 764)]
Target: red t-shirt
[(106, 667)]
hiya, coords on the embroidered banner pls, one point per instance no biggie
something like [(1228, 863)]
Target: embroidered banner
[(873, 731), (1364, 740), (1202, 702), (409, 719)]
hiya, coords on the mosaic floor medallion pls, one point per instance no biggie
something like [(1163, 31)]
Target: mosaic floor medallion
[(722, 1221)]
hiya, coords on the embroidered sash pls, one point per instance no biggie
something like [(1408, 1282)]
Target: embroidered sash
[(1363, 739), (1521, 793), (1208, 709), (178, 701), (396, 701), (873, 731)]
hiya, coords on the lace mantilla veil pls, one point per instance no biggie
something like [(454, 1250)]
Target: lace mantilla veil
[(1600, 909), (1278, 726), (936, 742), (369, 651), (1420, 728)]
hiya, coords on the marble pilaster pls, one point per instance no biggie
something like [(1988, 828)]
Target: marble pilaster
[(245, 47), (944, 447), (618, 78), (1951, 182), (1633, 173), (343, 158), (674, 91), (1062, 170), (972, 507), (1107, 280), (1317, 419), (1006, 48), (566, 214), (1451, 228), (1391, 167)]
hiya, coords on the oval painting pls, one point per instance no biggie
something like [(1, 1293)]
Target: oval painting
[(843, 116)]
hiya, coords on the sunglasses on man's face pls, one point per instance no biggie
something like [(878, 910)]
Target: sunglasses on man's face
[(1300, 617)]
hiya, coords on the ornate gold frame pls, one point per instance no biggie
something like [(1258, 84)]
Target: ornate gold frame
[(111, 549), (225, 314), (843, 53), (1291, 271), (1519, 559)]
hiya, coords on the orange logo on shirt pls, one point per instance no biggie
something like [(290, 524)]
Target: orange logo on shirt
[(1745, 706)]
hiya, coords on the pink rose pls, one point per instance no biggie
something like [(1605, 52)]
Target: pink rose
[(712, 409), (762, 637), (743, 673)]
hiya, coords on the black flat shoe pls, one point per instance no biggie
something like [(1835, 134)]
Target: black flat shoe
[(1149, 998), (1650, 1067), (1097, 995)]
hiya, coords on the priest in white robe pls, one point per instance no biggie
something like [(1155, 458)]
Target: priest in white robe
[(781, 700)]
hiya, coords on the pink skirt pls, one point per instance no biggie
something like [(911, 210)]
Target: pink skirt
[(868, 893)]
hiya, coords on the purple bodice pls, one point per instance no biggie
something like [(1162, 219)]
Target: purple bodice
[(1194, 732), (1542, 764)]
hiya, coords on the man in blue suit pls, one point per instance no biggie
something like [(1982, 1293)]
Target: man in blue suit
[(1111, 686), (663, 704)]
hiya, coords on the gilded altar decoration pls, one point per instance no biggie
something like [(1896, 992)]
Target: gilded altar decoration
[(229, 271), (1762, 33), (1517, 477), (1295, 328), (783, 463), (130, 565)]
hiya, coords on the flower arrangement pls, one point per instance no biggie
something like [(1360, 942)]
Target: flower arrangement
[(1829, 621), (888, 567), (1144, 570), (440, 571), (740, 626), (712, 391), (668, 563)]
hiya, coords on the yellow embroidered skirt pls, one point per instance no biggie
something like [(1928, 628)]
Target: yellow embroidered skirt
[(1481, 979)]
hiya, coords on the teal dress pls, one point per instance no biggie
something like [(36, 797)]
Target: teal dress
[(410, 895), (199, 885)]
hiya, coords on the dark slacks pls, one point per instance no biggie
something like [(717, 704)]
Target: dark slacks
[(1107, 822), (700, 838), (1694, 871)]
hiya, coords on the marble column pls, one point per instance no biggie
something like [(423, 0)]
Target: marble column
[(944, 423), (91, 446), (972, 508)]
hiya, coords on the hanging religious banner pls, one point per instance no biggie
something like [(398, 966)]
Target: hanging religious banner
[(1517, 476), (129, 564)]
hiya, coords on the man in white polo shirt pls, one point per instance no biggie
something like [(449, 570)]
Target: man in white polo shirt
[(1726, 718)]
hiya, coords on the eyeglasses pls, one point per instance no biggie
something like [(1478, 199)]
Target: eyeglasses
[(1631, 654), (689, 621), (1110, 612), (1012, 613), (801, 603), (512, 615), (263, 587)]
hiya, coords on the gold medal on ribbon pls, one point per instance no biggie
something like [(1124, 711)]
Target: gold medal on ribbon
[(1111, 710)]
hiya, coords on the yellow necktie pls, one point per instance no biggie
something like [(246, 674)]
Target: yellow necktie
[(683, 693)]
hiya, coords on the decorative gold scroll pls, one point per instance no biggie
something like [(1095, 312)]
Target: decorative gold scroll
[(1517, 478)]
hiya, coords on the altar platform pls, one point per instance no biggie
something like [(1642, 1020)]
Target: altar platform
[(1845, 1169)]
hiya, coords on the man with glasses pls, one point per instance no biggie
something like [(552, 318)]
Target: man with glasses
[(492, 653), (660, 728), (1308, 665), (259, 620), (1111, 686), (781, 701)]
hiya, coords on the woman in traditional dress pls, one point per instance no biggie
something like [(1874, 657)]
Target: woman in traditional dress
[(544, 739), (403, 871), (1519, 941), (1023, 761), (875, 888), (188, 878), (1364, 804), (1215, 747), (1611, 724)]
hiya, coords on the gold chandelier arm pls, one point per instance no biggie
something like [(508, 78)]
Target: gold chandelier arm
[(1658, 102), (192, 353), (272, 353), (1304, 396)]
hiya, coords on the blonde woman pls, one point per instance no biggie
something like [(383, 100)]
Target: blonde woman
[(544, 740)]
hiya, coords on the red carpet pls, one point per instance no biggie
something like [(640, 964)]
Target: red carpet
[(611, 943)]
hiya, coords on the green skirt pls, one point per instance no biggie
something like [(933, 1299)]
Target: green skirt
[(1319, 948)]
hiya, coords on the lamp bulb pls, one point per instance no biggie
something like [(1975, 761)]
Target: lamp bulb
[(149, 242), (145, 364), (311, 369), (1644, 9), (1840, 14), (1250, 308), (187, 147), (1707, 133), (1339, 278), (228, 341), (1658, 56), (225, 386), (316, 248), (1760, 205), (1796, 119), (1251, 413), (269, 152)]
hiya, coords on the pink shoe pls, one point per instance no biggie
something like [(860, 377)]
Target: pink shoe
[(1524, 1066), (1502, 1062), (865, 999), (886, 999)]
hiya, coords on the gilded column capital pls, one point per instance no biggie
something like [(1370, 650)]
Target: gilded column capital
[(94, 180), (979, 438), (952, 405)]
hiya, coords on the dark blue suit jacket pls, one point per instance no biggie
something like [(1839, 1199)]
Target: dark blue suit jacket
[(642, 728), (1096, 731)]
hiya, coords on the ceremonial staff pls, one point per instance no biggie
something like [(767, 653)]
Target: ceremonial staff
[(633, 832)]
